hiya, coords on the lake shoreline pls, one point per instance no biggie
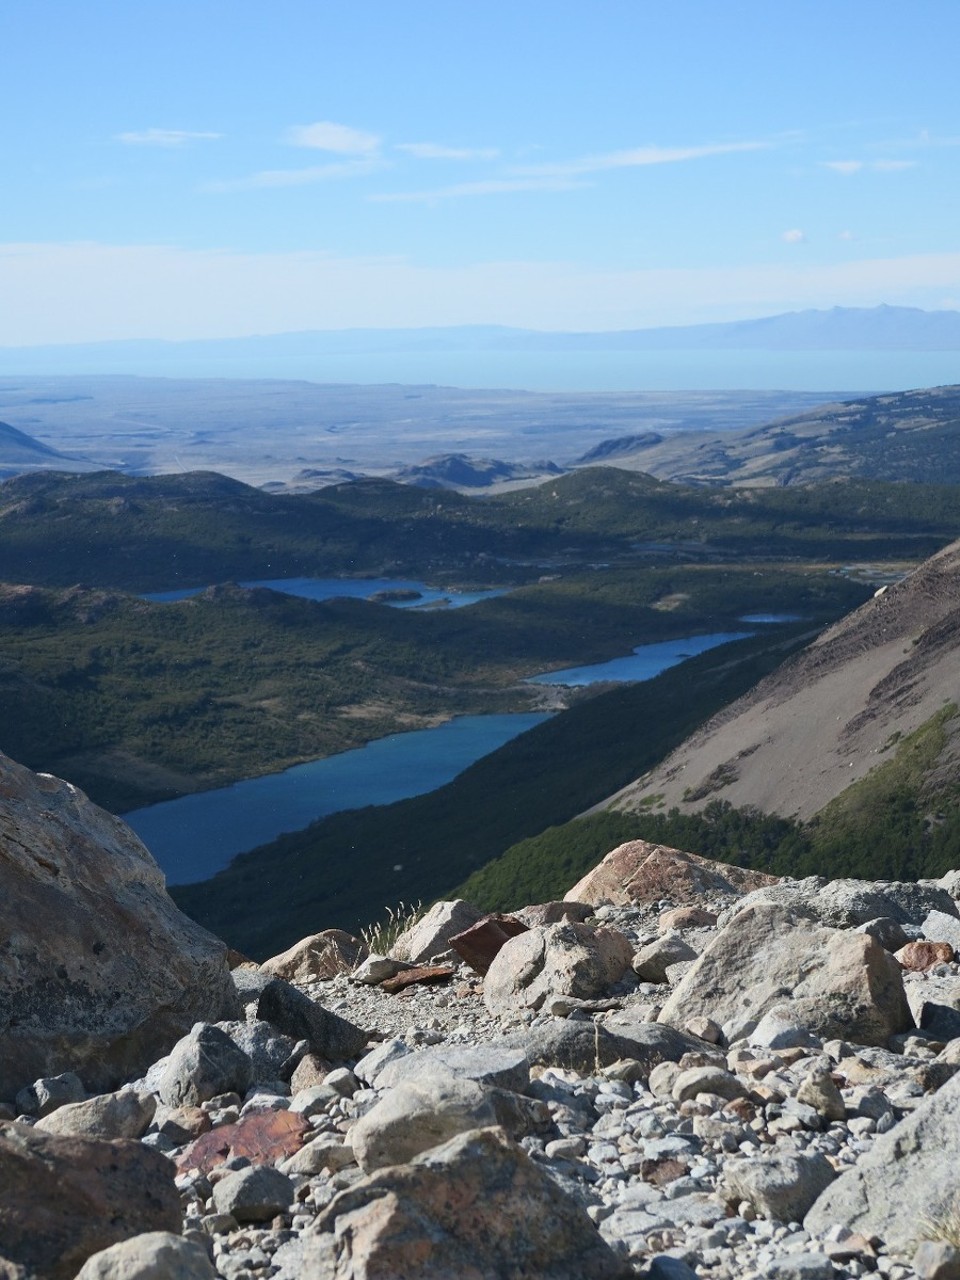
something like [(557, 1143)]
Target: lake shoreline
[(194, 836)]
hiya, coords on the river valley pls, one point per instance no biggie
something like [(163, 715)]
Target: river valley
[(195, 836)]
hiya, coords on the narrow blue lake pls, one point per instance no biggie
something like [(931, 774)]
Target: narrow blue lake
[(771, 617), (195, 836), (646, 661), (402, 593)]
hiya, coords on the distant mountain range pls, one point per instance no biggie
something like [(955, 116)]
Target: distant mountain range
[(882, 328)]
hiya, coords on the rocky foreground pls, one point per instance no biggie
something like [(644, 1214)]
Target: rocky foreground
[(683, 1070)]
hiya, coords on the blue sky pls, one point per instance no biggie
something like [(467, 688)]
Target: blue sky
[(221, 168)]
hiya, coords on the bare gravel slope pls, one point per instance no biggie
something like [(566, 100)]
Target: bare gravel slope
[(826, 717)]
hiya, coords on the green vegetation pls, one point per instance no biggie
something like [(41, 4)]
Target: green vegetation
[(138, 701), (160, 532), (341, 870), (902, 821), (898, 823)]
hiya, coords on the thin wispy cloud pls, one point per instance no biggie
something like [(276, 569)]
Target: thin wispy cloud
[(567, 175), (877, 166), (324, 135), (793, 236), (297, 177), (636, 157), (488, 187), (843, 166), (436, 151), (165, 137)]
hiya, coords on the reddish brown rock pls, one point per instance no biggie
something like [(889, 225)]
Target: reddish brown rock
[(100, 973), (481, 942), (319, 957), (421, 974), (65, 1198), (476, 1206), (686, 918), (310, 1070), (920, 956), (639, 872), (264, 1137)]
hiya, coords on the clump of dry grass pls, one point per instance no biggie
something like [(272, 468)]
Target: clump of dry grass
[(382, 934), (943, 1223)]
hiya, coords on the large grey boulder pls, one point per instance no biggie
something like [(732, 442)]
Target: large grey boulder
[(845, 904), (652, 961), (417, 1115), (126, 1114), (587, 1046), (475, 1206), (63, 1199), (254, 1194), (296, 1015), (99, 973), (270, 1052), (495, 1065), (942, 926), (203, 1064), (155, 1255), (428, 939), (834, 982), (555, 959), (907, 1180), (44, 1096), (782, 1186)]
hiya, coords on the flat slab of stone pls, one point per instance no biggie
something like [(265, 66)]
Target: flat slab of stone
[(263, 1137), (498, 1066)]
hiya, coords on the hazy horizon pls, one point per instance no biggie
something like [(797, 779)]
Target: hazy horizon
[(205, 171)]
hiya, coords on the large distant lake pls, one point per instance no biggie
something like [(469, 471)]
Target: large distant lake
[(195, 836), (403, 593)]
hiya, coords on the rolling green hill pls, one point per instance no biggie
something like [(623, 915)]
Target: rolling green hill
[(159, 532)]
